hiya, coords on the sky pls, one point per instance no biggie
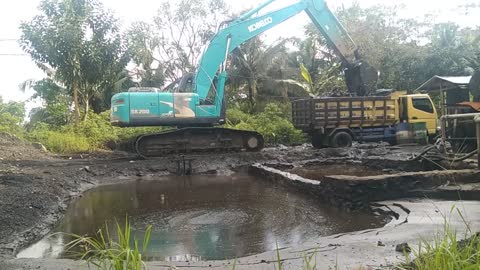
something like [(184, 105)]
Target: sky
[(16, 67)]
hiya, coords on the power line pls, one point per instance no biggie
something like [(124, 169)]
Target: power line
[(13, 54)]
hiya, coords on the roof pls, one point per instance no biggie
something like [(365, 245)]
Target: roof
[(474, 105), (437, 83)]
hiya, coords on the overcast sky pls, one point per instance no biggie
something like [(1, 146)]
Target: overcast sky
[(16, 68)]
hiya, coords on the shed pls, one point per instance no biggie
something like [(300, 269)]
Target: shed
[(453, 90), (445, 83)]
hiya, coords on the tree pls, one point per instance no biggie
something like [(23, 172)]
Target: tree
[(470, 39), (11, 116), (142, 44), (320, 61), (388, 42), (183, 30), (56, 104), (77, 43), (408, 52), (263, 70)]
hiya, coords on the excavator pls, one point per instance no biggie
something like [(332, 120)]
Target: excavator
[(195, 104)]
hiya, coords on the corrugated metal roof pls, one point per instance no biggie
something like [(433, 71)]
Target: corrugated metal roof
[(456, 79), (437, 83)]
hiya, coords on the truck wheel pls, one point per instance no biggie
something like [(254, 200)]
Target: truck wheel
[(341, 139), (317, 141)]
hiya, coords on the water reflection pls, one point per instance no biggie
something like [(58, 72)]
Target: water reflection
[(203, 217)]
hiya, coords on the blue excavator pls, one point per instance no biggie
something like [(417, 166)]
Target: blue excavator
[(195, 104)]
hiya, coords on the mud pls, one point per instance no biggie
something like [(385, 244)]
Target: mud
[(319, 172), (354, 185), (36, 188)]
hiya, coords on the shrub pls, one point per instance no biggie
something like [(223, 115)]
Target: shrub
[(271, 123), (94, 134), (97, 129), (59, 141), (236, 116), (10, 124)]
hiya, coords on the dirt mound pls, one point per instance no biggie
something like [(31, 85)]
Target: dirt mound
[(14, 148)]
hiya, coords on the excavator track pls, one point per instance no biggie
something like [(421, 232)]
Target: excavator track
[(197, 139)]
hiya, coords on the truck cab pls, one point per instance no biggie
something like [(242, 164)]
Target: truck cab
[(418, 108)]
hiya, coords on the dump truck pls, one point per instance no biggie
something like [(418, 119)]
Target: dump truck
[(338, 121)]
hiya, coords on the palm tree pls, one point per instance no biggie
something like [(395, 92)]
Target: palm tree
[(264, 70)]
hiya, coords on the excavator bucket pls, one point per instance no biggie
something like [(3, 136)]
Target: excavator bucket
[(362, 79)]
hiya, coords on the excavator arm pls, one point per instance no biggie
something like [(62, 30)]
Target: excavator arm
[(360, 77)]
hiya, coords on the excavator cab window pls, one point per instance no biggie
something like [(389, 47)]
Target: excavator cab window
[(172, 88), (186, 83), (182, 85), (188, 86), (212, 94)]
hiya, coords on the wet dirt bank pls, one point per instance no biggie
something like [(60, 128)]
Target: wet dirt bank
[(354, 185)]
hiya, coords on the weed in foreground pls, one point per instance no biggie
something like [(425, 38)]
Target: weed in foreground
[(105, 253), (447, 251)]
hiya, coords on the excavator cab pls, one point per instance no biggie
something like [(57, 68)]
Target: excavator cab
[(181, 85)]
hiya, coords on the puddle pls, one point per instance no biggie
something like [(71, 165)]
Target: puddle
[(317, 172), (204, 217)]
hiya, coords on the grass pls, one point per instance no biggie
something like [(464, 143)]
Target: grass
[(61, 142), (447, 251), (105, 253)]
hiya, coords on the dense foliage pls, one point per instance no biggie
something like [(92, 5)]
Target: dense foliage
[(84, 54), (271, 123), (11, 117), (95, 133)]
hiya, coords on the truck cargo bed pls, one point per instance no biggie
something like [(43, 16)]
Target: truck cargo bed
[(348, 112)]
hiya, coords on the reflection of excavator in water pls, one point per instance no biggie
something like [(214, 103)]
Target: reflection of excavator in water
[(184, 103)]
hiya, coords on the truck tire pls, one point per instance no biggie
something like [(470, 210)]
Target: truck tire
[(341, 139), (317, 141)]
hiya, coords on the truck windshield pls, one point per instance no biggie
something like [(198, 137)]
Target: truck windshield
[(423, 104)]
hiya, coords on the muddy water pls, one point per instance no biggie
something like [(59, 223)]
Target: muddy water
[(204, 217)]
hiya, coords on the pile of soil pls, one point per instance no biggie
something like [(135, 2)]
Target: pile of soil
[(13, 148)]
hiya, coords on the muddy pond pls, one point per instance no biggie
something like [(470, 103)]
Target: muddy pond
[(203, 217)]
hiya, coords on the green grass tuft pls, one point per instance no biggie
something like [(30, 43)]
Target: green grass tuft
[(448, 250), (104, 252)]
